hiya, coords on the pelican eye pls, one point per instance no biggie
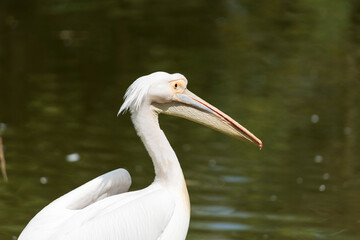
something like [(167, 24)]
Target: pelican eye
[(177, 86)]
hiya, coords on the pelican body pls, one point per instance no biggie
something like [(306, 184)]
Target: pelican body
[(103, 208)]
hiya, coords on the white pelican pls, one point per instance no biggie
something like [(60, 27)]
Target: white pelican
[(103, 208)]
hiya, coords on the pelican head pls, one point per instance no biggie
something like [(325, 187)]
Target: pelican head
[(167, 93)]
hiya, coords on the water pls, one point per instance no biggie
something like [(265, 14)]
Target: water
[(287, 70)]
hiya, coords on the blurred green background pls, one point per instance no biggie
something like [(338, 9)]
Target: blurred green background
[(288, 70)]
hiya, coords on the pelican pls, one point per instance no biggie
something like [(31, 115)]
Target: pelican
[(103, 208)]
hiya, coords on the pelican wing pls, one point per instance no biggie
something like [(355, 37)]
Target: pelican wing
[(111, 183), (138, 215), (102, 209)]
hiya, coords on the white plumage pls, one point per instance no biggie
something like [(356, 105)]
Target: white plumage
[(103, 209)]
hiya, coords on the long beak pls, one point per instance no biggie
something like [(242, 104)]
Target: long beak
[(188, 105)]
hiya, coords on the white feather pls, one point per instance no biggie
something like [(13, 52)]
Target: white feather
[(138, 90), (142, 214)]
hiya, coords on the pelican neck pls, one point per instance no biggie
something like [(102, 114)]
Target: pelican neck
[(166, 164)]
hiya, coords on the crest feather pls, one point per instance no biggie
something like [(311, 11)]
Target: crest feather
[(138, 90)]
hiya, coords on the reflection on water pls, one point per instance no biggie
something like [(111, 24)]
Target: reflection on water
[(287, 70)]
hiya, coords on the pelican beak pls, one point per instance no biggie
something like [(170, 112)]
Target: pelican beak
[(188, 105)]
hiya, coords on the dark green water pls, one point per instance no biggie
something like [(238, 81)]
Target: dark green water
[(287, 70)]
